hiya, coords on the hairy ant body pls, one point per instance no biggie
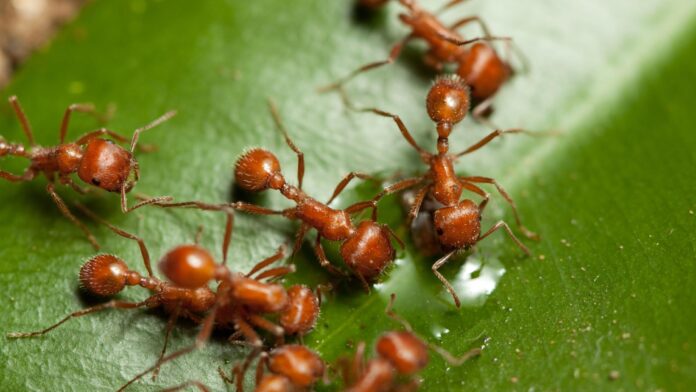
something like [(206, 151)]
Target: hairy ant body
[(479, 64), (457, 223), (97, 161), (399, 353), (365, 248)]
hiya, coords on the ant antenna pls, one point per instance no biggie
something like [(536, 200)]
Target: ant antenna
[(156, 122), (389, 312)]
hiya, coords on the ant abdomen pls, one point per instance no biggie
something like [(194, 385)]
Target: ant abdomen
[(106, 275), (300, 365), (274, 383), (407, 353), (368, 251), (105, 165), (188, 266), (484, 71), (458, 226), (255, 168), (377, 374), (300, 316)]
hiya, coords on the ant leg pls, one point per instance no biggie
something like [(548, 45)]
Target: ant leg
[(451, 359), (488, 138), (248, 332), (398, 187), (473, 188), (168, 330), (362, 205), (425, 156), (116, 136), (485, 180), (108, 305), (323, 261), (396, 238), (66, 180), (28, 175), (461, 42), (481, 112), (443, 260), (186, 204), (156, 122), (50, 188), (192, 383), (470, 19), (22, 119), (449, 5), (267, 261), (346, 180), (79, 107), (392, 315), (263, 361), (299, 238), (155, 200), (276, 273), (417, 203), (274, 329), (141, 244), (201, 340), (300, 155), (254, 209), (393, 55), (509, 232)]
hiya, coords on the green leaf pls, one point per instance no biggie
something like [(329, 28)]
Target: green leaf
[(606, 302)]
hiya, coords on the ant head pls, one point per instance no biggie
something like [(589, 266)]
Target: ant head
[(458, 226), (256, 169), (448, 100), (369, 250), (188, 266), (298, 363), (107, 165), (301, 314), (106, 275), (484, 71), (405, 351)]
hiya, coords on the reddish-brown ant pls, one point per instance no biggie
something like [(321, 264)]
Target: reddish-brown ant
[(479, 64), (97, 161), (457, 223), (366, 248), (400, 353)]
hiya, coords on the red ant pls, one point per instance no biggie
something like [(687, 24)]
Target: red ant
[(482, 68), (97, 161), (398, 353), (457, 223), (242, 299)]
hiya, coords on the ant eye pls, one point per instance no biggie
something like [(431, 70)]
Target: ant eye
[(440, 231), (96, 182)]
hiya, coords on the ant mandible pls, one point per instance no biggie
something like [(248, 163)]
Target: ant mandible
[(366, 248), (457, 223), (97, 161), (401, 353), (480, 65)]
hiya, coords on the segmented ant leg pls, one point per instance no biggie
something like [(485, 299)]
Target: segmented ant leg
[(398, 187), (14, 101), (509, 232), (464, 21), (389, 311), (254, 209), (141, 244), (461, 42), (50, 188), (156, 122), (168, 330), (263, 362), (28, 175), (108, 305), (201, 339), (346, 180), (485, 180), (273, 329), (449, 5), (299, 238), (488, 138), (425, 156), (393, 55), (473, 188), (248, 332), (323, 260), (267, 261), (192, 383), (417, 203), (362, 205), (155, 200), (76, 107), (281, 127), (185, 204), (276, 273), (443, 260), (227, 238), (363, 282)]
